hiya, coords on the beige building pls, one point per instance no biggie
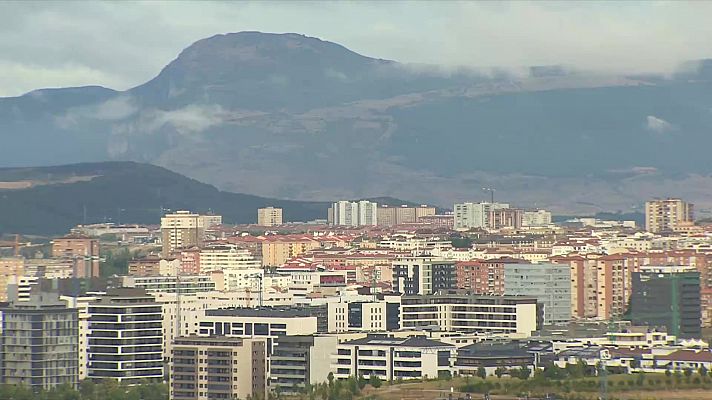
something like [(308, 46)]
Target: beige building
[(277, 251), (269, 216), (666, 215), (181, 230), (83, 250), (218, 367), (389, 216), (10, 269)]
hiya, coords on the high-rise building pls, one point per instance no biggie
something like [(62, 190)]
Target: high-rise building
[(181, 230), (667, 296), (269, 216), (83, 250), (352, 213), (550, 284), (218, 367), (39, 343), (126, 338), (666, 215), (474, 215)]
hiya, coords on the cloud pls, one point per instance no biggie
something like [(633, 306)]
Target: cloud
[(658, 125), (187, 120), (115, 109), (56, 44)]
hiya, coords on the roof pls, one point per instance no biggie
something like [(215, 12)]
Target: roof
[(414, 341), (494, 350), (688, 355), (258, 312)]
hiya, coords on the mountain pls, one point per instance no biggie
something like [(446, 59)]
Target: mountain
[(50, 200), (296, 117)]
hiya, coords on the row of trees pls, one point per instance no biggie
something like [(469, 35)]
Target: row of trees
[(88, 390)]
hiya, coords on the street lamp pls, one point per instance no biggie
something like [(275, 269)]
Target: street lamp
[(491, 190)]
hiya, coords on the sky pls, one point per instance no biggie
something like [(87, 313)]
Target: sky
[(123, 44)]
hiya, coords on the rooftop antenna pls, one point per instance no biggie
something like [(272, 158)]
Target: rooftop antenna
[(491, 190)]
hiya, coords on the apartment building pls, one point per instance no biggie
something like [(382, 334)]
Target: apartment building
[(39, 343), (269, 216), (361, 316), (474, 215), (218, 367), (354, 213), (153, 266), (391, 215), (171, 284), (422, 275), (666, 215), (125, 337), (550, 284), (482, 276), (462, 311), (504, 218), (82, 250), (81, 304), (297, 361), (536, 218), (10, 268), (390, 358), (181, 230), (277, 249), (268, 323), (667, 296), (226, 257)]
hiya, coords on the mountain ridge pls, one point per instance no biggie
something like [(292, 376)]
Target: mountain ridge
[(289, 116)]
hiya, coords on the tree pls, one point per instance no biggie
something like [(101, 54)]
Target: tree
[(702, 371), (374, 381), (688, 373), (330, 379), (361, 382), (500, 371), (482, 372), (524, 372), (668, 372), (634, 363)]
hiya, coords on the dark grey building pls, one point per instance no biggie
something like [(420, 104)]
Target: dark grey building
[(39, 345), (667, 297)]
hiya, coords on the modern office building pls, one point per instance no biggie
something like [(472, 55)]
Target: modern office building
[(218, 367), (390, 358), (269, 216), (667, 296), (181, 230), (505, 218), (354, 213), (298, 361), (423, 275), (82, 250), (125, 337), (550, 284), (666, 215), (474, 215), (39, 343), (462, 311)]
